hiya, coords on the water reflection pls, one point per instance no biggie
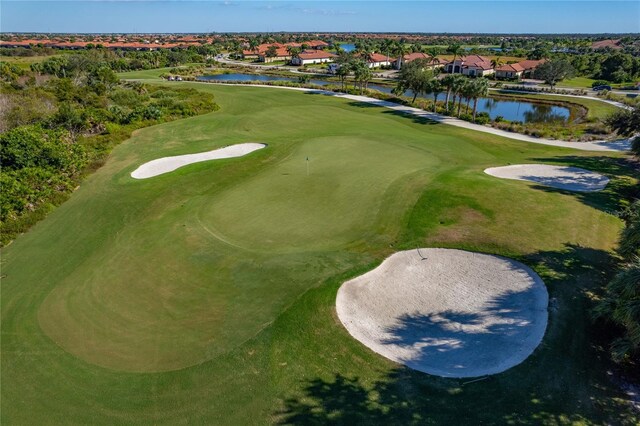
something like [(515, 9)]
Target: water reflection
[(512, 110)]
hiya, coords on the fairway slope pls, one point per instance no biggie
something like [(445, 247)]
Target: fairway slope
[(208, 295), (169, 164)]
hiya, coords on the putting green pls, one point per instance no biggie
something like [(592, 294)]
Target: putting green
[(218, 280), (337, 203)]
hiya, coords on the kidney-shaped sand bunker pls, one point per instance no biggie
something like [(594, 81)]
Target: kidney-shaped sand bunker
[(168, 164), (447, 312), (561, 177)]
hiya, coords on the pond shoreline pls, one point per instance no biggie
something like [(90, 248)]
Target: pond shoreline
[(509, 109)]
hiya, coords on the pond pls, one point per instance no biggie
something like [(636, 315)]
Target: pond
[(512, 110), (348, 47)]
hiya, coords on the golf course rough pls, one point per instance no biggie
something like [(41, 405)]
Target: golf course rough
[(120, 306), (561, 177), (447, 312), (169, 164)]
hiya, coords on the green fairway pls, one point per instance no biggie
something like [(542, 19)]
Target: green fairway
[(206, 295)]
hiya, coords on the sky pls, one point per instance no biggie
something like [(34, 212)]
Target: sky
[(453, 16)]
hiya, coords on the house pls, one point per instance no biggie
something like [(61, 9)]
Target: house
[(250, 54), (509, 71), (316, 44), (606, 44), (313, 57), (471, 65), (281, 54), (376, 60), (432, 63), (522, 69), (529, 66)]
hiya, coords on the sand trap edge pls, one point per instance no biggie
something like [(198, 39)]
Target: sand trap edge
[(513, 360), (509, 172), (169, 164)]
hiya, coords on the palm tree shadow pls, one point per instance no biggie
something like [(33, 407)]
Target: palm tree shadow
[(459, 343), (540, 391)]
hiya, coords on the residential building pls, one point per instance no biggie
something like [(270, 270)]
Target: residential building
[(313, 57)]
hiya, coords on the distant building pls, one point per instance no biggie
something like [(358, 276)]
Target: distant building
[(522, 69), (313, 57), (606, 44), (471, 65), (431, 63), (376, 60)]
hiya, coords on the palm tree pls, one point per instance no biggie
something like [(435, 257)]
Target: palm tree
[(496, 62), (455, 50), (432, 54), (434, 87), (459, 82), (620, 304), (447, 82), (387, 47), (416, 47), (253, 44), (400, 49), (362, 74), (343, 72), (480, 90), (338, 49), (293, 51), (467, 92)]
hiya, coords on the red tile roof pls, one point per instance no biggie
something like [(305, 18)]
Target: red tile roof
[(510, 68), (530, 64), (316, 54), (612, 44), (376, 57)]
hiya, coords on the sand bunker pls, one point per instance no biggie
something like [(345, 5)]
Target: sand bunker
[(169, 164), (562, 177), (446, 312)]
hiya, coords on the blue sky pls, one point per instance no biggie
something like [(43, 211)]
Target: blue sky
[(513, 16)]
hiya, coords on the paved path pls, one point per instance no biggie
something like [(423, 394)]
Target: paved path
[(620, 145), (594, 98)]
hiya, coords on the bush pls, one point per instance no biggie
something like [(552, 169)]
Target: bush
[(599, 83), (482, 118)]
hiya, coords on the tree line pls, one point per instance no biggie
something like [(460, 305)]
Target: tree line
[(620, 305), (60, 121)]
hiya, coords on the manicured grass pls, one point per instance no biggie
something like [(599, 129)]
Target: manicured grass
[(577, 82), (207, 295)]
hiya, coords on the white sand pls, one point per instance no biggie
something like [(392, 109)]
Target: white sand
[(562, 177), (447, 312), (169, 164)]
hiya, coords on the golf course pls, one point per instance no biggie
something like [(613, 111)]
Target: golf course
[(206, 293)]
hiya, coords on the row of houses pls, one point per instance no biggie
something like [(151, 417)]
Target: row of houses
[(266, 52), (78, 45), (479, 66)]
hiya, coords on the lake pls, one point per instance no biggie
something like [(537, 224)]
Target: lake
[(527, 112)]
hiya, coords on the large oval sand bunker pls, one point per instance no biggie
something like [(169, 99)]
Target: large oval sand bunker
[(561, 177), (447, 312), (169, 164)]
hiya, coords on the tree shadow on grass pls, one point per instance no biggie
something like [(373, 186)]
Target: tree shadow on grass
[(565, 381), (621, 187)]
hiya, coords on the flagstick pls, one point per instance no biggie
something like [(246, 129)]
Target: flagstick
[(307, 166)]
